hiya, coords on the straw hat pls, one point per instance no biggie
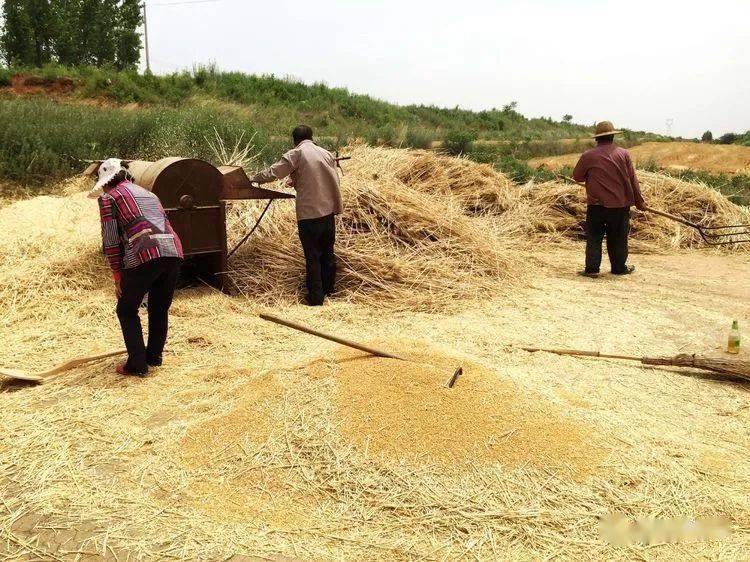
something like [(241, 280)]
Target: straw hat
[(107, 170), (605, 128)]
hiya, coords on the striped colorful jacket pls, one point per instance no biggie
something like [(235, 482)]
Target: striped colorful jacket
[(135, 228)]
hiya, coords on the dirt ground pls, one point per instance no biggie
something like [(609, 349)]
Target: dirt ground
[(690, 424), (717, 158)]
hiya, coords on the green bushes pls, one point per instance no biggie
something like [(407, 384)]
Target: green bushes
[(520, 172), (418, 138), (4, 77), (459, 142), (281, 103), (43, 140)]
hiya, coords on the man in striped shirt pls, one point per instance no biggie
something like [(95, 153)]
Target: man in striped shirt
[(144, 254)]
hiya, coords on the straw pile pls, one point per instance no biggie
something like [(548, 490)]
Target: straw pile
[(401, 244), (421, 230), (559, 208), (479, 188)]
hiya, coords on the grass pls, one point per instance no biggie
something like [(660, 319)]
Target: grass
[(285, 102), (149, 117), (42, 139)]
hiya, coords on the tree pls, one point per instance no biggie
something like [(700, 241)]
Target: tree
[(128, 39), (16, 38), (72, 32), (567, 118), (728, 138), (708, 136), (459, 142), (510, 107)]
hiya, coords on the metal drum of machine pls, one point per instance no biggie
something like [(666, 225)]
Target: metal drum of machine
[(190, 191), (194, 194)]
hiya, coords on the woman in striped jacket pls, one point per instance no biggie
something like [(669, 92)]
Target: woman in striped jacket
[(145, 254)]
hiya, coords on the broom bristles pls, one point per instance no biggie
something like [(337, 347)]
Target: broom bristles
[(731, 367)]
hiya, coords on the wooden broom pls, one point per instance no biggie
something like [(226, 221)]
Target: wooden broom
[(728, 367)]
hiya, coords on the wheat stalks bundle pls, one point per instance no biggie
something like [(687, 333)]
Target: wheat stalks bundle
[(398, 245)]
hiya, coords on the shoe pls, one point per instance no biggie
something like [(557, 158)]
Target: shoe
[(628, 270), (592, 274), (154, 362), (122, 369)]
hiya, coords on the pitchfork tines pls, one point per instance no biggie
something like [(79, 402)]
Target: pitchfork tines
[(713, 235)]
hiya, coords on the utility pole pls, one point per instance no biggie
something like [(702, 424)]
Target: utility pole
[(145, 35)]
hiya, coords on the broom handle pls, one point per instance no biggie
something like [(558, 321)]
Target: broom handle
[(330, 337), (649, 209), (578, 352)]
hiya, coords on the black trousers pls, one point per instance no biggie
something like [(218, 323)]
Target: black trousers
[(158, 278), (318, 237), (615, 224)]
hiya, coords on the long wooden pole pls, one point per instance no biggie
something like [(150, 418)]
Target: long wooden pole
[(330, 337), (582, 353), (732, 368), (67, 366)]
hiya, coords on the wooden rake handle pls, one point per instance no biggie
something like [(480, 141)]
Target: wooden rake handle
[(73, 363), (330, 337)]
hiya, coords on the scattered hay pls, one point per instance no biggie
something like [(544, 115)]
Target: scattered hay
[(246, 427), (136, 468)]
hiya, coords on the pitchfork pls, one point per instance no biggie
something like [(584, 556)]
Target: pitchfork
[(712, 235)]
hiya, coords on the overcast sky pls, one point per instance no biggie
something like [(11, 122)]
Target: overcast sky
[(637, 63)]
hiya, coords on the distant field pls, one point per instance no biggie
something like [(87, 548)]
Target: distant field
[(714, 158)]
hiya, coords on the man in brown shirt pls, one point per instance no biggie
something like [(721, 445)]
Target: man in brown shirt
[(312, 172), (611, 189)]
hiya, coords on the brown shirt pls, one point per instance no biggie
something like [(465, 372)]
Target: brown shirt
[(609, 176), (314, 176)]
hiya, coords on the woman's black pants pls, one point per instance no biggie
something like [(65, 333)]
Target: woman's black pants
[(158, 278)]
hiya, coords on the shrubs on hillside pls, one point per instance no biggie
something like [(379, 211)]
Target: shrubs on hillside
[(459, 142)]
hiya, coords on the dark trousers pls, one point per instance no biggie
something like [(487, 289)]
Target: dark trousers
[(318, 237), (158, 278), (615, 224)]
